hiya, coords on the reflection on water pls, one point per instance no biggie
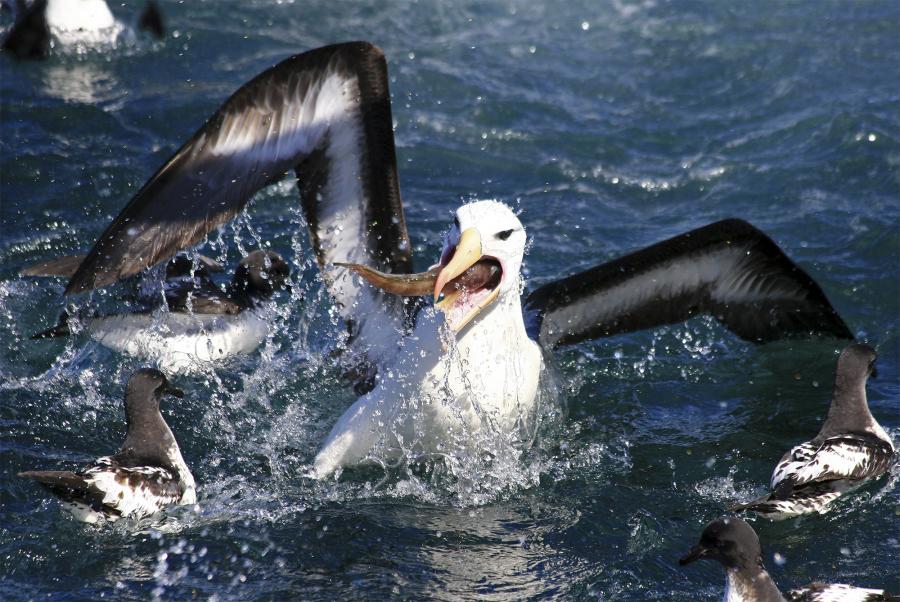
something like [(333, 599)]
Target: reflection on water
[(86, 83)]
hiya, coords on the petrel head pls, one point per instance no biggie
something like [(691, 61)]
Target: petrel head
[(145, 388), (728, 540), (857, 361), (261, 273)]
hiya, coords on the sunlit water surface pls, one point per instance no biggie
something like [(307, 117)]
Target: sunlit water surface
[(609, 125)]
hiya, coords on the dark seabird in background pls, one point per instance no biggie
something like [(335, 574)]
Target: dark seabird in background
[(850, 449), (143, 477), (733, 543), (326, 115)]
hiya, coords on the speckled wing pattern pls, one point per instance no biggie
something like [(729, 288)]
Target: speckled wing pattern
[(729, 270), (849, 456), (111, 489), (837, 592), (812, 475)]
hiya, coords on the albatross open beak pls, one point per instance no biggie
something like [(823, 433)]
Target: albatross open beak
[(457, 306), (469, 281)]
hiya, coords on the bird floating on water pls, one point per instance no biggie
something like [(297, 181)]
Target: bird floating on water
[(36, 25), (733, 543), (473, 362), (850, 449), (194, 321), (143, 477)]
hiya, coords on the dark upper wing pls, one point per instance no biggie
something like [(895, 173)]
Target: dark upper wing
[(66, 266), (325, 113), (728, 269), (312, 101)]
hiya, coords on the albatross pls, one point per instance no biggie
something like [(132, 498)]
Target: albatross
[(472, 362)]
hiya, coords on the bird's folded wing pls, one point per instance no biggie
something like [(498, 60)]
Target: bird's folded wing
[(67, 485), (728, 269), (326, 114), (200, 297), (61, 266), (822, 592), (845, 457)]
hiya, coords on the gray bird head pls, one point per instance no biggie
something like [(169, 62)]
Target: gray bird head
[(728, 540), (145, 388), (261, 273), (857, 361)]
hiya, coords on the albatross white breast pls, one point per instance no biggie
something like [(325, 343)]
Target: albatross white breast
[(459, 372)]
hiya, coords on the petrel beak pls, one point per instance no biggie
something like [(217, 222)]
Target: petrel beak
[(174, 391), (696, 553)]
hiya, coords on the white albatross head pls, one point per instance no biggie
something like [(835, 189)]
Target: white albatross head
[(480, 261), (479, 264)]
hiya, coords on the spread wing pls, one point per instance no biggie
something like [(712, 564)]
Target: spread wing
[(325, 114), (728, 269)]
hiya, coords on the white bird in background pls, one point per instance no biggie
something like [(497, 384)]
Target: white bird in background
[(194, 323), (472, 368), (39, 23)]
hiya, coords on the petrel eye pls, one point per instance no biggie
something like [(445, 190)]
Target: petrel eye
[(504, 234)]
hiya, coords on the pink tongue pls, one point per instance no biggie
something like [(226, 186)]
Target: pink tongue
[(484, 274)]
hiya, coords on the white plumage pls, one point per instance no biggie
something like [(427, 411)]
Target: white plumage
[(442, 391), (181, 342)]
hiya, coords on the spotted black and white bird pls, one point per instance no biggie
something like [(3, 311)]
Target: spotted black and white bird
[(198, 322), (143, 477), (734, 544), (850, 449), (470, 364)]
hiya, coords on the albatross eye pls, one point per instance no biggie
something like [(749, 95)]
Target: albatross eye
[(504, 234)]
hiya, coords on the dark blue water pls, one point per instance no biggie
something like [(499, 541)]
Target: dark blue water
[(610, 126)]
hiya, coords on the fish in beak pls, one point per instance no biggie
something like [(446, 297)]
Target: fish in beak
[(468, 281)]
